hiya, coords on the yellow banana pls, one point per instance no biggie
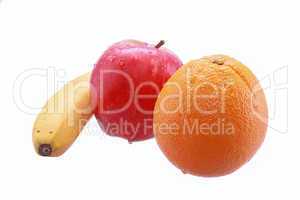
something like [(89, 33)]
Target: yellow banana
[(63, 117)]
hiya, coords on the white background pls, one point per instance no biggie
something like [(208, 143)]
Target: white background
[(70, 35)]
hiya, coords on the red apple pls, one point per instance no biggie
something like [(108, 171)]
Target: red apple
[(126, 82)]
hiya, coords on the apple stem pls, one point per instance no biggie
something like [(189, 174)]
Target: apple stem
[(162, 42)]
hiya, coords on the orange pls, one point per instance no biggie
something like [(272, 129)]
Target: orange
[(211, 116)]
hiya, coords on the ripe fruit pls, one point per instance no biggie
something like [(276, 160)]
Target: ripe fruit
[(211, 116), (126, 82), (62, 118)]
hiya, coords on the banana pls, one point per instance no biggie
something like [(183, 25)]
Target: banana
[(63, 117)]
